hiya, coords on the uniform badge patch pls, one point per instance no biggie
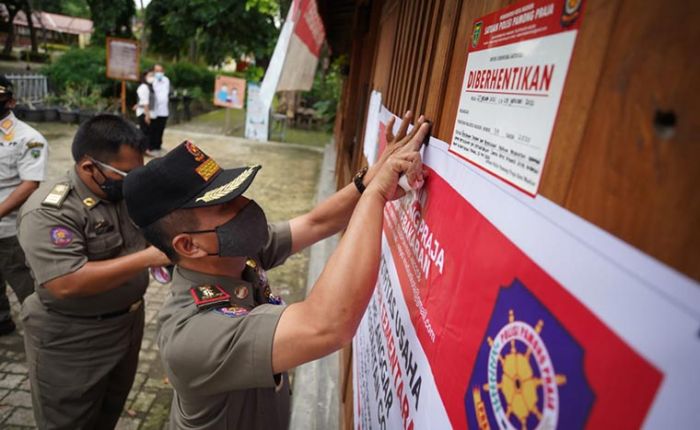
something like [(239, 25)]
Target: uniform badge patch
[(61, 236), (208, 169), (275, 300), (241, 292), (195, 151), (207, 296), (7, 127), (35, 153), (35, 145), (233, 311)]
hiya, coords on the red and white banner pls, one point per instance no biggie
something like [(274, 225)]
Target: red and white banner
[(496, 310), (516, 67), (295, 57)]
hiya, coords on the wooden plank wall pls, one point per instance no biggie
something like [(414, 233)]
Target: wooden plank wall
[(626, 143)]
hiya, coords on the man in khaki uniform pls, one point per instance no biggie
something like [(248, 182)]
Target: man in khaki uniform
[(84, 323), (23, 155), (226, 341)]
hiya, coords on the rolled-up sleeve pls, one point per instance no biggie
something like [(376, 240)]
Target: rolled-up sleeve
[(278, 246)]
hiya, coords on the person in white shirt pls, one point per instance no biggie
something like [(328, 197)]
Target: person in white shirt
[(23, 155), (161, 87), (146, 104)]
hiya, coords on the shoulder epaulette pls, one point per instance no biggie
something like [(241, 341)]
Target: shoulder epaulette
[(57, 196), (207, 296)]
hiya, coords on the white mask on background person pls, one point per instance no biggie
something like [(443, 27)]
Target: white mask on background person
[(160, 75)]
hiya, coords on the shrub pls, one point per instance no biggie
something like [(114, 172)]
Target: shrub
[(325, 92), (80, 67)]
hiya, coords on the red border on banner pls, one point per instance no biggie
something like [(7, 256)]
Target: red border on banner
[(553, 23)]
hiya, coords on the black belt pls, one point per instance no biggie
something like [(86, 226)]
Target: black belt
[(134, 307)]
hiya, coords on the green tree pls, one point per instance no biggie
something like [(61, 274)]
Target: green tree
[(212, 30), (77, 8), (12, 7), (111, 18)]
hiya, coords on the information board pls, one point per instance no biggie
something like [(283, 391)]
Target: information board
[(516, 68)]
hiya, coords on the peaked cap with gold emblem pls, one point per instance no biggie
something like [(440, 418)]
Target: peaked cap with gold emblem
[(185, 177)]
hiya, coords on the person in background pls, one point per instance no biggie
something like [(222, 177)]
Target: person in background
[(83, 325), (23, 155), (161, 87), (145, 104)]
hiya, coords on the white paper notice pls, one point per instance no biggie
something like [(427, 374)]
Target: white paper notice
[(515, 74)]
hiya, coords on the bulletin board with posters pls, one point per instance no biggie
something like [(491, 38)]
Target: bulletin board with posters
[(123, 56), (229, 92)]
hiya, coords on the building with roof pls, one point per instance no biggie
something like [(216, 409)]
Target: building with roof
[(51, 28)]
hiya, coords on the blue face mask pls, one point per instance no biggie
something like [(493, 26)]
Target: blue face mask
[(160, 75)]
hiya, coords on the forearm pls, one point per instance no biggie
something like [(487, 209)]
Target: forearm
[(17, 197), (326, 219), (96, 277), (343, 290)]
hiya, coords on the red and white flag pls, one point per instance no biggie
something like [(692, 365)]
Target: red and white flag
[(295, 58)]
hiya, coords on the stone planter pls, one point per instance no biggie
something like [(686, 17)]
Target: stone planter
[(68, 116), (85, 115), (20, 112), (34, 115), (50, 114)]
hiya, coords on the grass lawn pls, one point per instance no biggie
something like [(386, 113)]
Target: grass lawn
[(215, 122)]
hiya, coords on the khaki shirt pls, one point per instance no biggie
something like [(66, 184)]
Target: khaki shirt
[(23, 155), (219, 360), (60, 240)]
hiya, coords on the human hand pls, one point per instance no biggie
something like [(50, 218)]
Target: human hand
[(400, 141), (147, 119), (405, 161), (155, 257)]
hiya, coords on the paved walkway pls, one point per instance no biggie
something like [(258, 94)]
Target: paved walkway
[(285, 187)]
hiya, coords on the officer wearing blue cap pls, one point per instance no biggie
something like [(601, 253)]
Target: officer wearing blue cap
[(226, 340)]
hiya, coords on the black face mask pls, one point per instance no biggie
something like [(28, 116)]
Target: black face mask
[(111, 187), (244, 235), (4, 108)]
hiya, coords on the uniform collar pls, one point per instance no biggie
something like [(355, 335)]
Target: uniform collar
[(190, 277), (88, 198), (7, 124)]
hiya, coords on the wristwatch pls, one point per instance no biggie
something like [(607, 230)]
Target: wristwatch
[(359, 178)]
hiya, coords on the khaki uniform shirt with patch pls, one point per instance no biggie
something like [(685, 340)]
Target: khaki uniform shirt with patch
[(60, 240), (23, 155), (219, 360)]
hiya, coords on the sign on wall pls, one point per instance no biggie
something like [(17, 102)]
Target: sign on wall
[(496, 310), (516, 68), (229, 92)]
